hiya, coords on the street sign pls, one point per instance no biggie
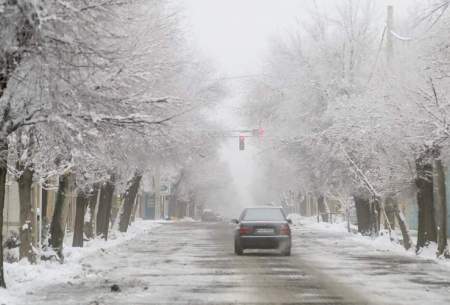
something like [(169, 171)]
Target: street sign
[(165, 189)]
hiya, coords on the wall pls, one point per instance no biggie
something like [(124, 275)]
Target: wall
[(11, 216)]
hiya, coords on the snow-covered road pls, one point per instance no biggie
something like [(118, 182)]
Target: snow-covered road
[(193, 263)]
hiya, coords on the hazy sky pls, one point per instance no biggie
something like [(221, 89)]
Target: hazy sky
[(235, 33)]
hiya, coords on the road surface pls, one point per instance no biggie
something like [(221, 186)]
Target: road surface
[(194, 263)]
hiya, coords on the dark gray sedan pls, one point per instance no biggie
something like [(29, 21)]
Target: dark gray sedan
[(262, 228)]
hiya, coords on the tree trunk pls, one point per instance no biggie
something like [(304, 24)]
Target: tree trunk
[(427, 225), (44, 218), (316, 208), (363, 215), (137, 207), (92, 203), (117, 203), (348, 216), (104, 209), (375, 216), (323, 208), (304, 206), (26, 216), (58, 225), (80, 210), (3, 171), (175, 190), (390, 210), (407, 243), (441, 208), (129, 200)]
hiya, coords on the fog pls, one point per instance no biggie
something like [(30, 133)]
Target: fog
[(133, 133), (236, 36)]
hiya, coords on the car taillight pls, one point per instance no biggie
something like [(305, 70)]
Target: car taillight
[(285, 230), (245, 230)]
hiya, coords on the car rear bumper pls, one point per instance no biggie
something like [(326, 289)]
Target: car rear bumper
[(264, 242)]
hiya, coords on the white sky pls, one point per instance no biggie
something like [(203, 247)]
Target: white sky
[(235, 33)]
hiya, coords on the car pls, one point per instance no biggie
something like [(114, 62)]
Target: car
[(263, 228), (209, 216)]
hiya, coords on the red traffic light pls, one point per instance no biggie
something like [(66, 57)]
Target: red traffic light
[(261, 132), (258, 132)]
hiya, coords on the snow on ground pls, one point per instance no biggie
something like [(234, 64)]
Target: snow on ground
[(24, 278), (187, 219), (382, 270), (382, 242)]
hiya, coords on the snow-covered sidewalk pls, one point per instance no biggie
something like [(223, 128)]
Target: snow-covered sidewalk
[(383, 271), (23, 278)]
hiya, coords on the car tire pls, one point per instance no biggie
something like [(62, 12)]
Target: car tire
[(286, 252), (238, 249)]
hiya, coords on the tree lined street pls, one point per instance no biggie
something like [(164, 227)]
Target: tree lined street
[(133, 133)]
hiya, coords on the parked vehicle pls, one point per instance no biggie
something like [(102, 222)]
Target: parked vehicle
[(210, 216), (263, 228)]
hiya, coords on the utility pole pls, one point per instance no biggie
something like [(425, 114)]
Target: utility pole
[(317, 209), (389, 35)]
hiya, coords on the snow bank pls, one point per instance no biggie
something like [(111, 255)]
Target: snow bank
[(24, 278), (381, 243), (311, 222), (187, 219)]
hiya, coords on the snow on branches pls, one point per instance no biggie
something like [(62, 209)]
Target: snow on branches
[(346, 119)]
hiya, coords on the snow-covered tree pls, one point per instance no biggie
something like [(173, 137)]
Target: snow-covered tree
[(353, 119), (106, 87)]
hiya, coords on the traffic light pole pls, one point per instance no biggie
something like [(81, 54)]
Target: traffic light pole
[(246, 133)]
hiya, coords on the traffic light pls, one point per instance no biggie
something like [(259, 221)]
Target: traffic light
[(241, 143), (261, 132), (258, 132)]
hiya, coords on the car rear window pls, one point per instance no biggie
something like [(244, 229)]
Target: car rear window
[(263, 214)]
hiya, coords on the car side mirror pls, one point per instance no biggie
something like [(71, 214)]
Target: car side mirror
[(235, 221), (289, 221)]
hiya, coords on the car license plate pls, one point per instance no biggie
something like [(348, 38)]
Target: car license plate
[(265, 231)]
